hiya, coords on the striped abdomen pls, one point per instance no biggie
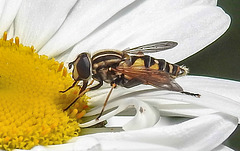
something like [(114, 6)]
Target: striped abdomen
[(174, 70)]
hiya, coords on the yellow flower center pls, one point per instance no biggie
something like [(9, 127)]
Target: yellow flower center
[(31, 107)]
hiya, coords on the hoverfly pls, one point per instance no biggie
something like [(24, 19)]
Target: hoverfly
[(120, 68)]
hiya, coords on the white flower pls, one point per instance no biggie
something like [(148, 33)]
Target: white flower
[(63, 29)]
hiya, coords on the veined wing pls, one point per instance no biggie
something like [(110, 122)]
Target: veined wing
[(153, 47), (156, 78)]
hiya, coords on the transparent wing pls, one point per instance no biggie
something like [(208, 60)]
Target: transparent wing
[(151, 48), (156, 78)]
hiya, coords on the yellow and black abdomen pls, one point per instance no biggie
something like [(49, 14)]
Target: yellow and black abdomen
[(146, 61)]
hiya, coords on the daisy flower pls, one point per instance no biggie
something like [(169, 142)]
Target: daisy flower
[(42, 36)]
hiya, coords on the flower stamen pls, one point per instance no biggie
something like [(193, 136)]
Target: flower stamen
[(30, 103), (5, 36), (17, 41)]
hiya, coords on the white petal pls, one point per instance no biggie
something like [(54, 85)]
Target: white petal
[(81, 144), (174, 103), (216, 95), (183, 110), (207, 99), (10, 32), (2, 4), (97, 110), (37, 21), (202, 133), (118, 121), (227, 93), (84, 18), (108, 145), (193, 26), (9, 13), (146, 115), (86, 143), (227, 88), (62, 57), (222, 148)]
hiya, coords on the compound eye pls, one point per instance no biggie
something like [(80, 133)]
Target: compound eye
[(82, 67)]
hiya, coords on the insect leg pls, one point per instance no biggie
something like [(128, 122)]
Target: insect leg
[(74, 83), (91, 83), (192, 94), (85, 84), (105, 103), (81, 93), (97, 86)]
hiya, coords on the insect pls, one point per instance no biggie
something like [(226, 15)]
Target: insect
[(127, 68)]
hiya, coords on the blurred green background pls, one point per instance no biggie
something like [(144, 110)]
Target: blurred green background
[(222, 58)]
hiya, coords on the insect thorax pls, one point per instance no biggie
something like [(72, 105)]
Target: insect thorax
[(102, 61)]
